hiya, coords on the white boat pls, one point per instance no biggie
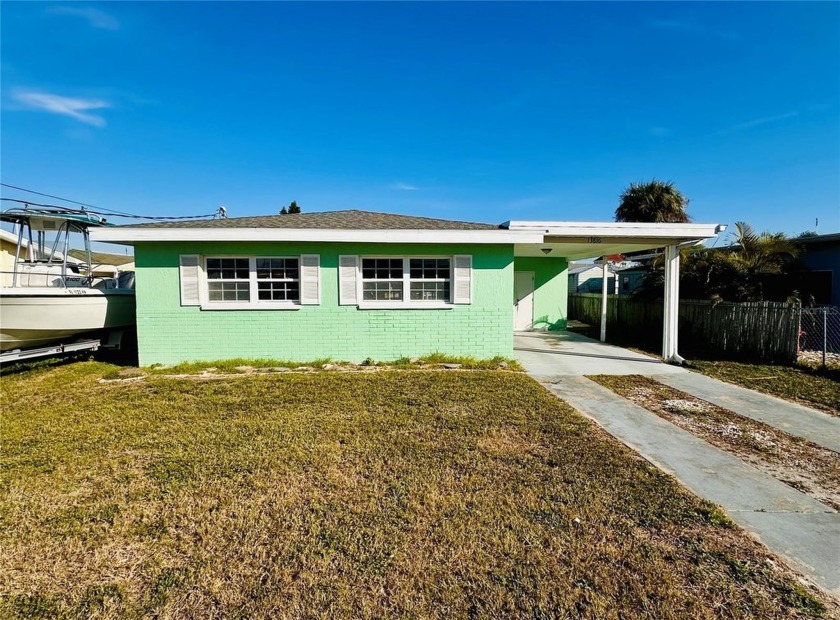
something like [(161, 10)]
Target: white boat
[(46, 297)]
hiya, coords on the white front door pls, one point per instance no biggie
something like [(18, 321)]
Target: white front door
[(523, 299)]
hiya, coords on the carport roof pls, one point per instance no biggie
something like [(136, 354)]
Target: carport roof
[(576, 240)]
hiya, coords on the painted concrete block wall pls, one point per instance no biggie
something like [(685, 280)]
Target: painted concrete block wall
[(169, 333), (551, 288)]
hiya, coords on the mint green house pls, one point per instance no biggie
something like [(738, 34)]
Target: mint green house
[(351, 285)]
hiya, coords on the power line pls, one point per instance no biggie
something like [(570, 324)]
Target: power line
[(62, 209), (100, 209), (32, 191)]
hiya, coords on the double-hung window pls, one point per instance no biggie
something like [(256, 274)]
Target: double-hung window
[(382, 279), (228, 280), (278, 279), (429, 279), (250, 282), (408, 280)]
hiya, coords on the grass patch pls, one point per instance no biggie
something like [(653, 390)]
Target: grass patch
[(351, 495), (243, 365), (229, 366), (814, 387)]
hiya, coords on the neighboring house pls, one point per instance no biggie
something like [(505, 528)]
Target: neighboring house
[(588, 278), (351, 285), (105, 263), (8, 249), (631, 278), (821, 256)]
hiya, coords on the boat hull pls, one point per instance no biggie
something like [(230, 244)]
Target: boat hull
[(32, 317)]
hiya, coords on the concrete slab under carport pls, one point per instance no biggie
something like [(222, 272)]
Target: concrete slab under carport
[(546, 355)]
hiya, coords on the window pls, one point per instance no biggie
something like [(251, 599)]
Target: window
[(278, 279), (261, 281), (228, 279), (406, 280), (382, 279), (429, 278)]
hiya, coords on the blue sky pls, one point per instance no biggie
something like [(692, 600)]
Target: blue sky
[(477, 111)]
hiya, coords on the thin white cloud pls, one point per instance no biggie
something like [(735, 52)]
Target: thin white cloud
[(761, 121), (94, 17), (74, 107), (406, 187), (688, 27)]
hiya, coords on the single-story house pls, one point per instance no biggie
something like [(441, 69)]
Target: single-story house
[(631, 278), (821, 256), (103, 264), (589, 277), (352, 285)]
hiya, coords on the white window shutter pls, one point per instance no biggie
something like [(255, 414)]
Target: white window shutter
[(310, 279), (462, 279), (190, 273), (348, 269)]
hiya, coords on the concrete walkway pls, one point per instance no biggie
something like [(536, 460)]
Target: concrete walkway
[(798, 528), (816, 426), (551, 355)]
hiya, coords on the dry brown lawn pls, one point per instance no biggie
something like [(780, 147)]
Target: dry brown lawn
[(408, 494)]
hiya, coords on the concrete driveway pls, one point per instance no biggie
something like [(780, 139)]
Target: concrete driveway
[(797, 527)]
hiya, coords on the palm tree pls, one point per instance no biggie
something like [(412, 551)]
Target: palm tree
[(737, 272), (761, 253), (655, 201)]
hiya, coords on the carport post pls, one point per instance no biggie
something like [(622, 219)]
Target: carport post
[(671, 309), (604, 276)]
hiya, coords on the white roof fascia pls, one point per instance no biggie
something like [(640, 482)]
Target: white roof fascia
[(616, 229), (128, 234)]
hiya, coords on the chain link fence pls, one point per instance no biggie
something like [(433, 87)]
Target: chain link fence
[(819, 335)]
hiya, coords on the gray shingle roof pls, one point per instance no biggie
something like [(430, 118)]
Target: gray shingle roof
[(347, 220), (103, 258)]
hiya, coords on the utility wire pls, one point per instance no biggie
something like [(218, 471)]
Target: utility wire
[(63, 209), (32, 191), (98, 209)]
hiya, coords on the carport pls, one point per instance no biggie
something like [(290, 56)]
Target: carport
[(583, 240)]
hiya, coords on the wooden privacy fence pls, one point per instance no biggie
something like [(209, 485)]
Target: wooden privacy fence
[(760, 330)]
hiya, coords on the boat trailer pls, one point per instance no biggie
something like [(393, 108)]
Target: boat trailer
[(19, 355), (112, 340)]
